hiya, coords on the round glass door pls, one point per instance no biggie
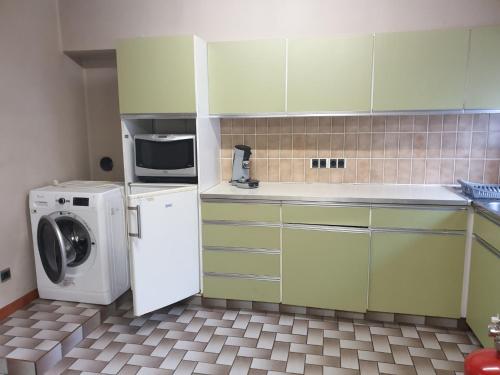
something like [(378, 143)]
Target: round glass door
[(76, 238), (52, 249)]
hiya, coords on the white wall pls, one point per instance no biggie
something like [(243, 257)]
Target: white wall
[(103, 122), (42, 124), (96, 24)]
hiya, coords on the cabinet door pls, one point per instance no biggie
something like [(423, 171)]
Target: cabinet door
[(330, 74), (246, 76), (416, 273), (156, 75), (484, 290), (325, 269), (484, 69), (420, 70)]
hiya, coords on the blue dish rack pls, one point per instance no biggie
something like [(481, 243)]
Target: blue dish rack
[(480, 191)]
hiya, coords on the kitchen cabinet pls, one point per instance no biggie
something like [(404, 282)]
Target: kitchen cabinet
[(255, 212), (247, 76), (326, 215), (326, 268), (244, 236), (156, 75), (330, 74), (416, 273), (483, 77), (484, 289), (422, 70)]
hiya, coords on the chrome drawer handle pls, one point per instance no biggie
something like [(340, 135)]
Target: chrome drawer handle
[(139, 232)]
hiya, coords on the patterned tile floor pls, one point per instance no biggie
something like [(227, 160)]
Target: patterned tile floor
[(188, 338)]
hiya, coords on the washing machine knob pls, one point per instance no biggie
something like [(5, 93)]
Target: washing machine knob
[(61, 200)]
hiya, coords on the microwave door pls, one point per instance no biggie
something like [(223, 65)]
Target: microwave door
[(163, 247)]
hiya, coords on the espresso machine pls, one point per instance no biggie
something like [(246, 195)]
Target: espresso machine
[(241, 168)]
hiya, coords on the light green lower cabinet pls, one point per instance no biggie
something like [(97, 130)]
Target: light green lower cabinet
[(325, 269), (239, 262), (245, 236), (484, 291), (416, 273), (326, 215), (241, 288)]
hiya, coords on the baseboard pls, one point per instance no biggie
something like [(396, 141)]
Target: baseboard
[(18, 303)]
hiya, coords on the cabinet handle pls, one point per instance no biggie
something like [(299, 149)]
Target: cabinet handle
[(138, 210)]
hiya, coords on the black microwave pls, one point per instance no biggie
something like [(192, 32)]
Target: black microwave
[(165, 155)]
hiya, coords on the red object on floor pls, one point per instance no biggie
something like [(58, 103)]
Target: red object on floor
[(483, 362)]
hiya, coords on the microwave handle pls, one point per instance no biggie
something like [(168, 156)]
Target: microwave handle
[(138, 209)]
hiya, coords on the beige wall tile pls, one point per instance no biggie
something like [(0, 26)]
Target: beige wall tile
[(421, 123), (324, 145), (432, 170), (392, 124), (419, 145), (350, 145), (447, 170), (479, 141), (249, 126), (450, 123), (337, 176), (324, 175), (299, 124), (390, 171), (311, 174), (298, 170), (299, 144), (364, 145), (273, 146), (480, 122), (261, 146), (274, 125), (378, 124), (404, 171), (436, 123), (261, 126), (226, 169), (405, 145), (418, 171), (273, 170), (237, 139), (325, 125), (338, 124), (286, 125), (377, 171), (286, 146), (312, 125), (434, 145), (406, 123), (365, 124), (493, 148), (238, 126), (378, 140), (363, 170), (494, 122), (461, 169), (249, 140), (391, 145), (311, 145), (261, 172), (491, 171), (463, 144), (350, 171), (476, 171), (226, 146), (465, 123), (225, 126), (352, 124), (449, 145), (337, 145), (285, 170)]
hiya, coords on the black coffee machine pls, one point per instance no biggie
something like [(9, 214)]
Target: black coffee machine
[(241, 168)]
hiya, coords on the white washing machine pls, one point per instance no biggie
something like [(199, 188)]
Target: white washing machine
[(79, 240)]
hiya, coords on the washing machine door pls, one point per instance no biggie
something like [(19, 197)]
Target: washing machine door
[(63, 241), (51, 248)]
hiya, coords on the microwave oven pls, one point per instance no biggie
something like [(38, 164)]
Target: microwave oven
[(165, 155)]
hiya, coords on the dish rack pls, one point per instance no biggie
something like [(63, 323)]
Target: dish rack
[(484, 191)]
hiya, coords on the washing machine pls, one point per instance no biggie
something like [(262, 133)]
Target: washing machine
[(79, 241)]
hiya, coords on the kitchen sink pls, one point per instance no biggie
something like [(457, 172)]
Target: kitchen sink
[(491, 206)]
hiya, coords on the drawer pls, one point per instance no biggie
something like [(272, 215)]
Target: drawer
[(244, 236), (241, 262), (487, 230), (419, 218), (268, 213), (241, 288), (326, 215)]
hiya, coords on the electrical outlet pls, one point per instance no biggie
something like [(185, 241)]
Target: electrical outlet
[(5, 275), (333, 163), (341, 163), (322, 163), (314, 163)]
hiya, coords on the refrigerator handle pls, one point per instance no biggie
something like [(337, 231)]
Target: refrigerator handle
[(138, 210)]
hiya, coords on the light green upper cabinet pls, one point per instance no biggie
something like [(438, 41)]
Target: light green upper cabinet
[(330, 74), (483, 82), (247, 76), (156, 75), (420, 70)]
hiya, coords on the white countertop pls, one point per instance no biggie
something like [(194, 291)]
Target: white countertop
[(351, 193)]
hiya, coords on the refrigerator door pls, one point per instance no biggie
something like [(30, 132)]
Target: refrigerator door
[(163, 246)]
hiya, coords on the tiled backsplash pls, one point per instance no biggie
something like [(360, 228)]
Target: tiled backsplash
[(423, 149)]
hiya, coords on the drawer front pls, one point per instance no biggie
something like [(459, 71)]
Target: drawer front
[(245, 236), (268, 213), (241, 262), (326, 215), (408, 218), (241, 288), (487, 230)]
